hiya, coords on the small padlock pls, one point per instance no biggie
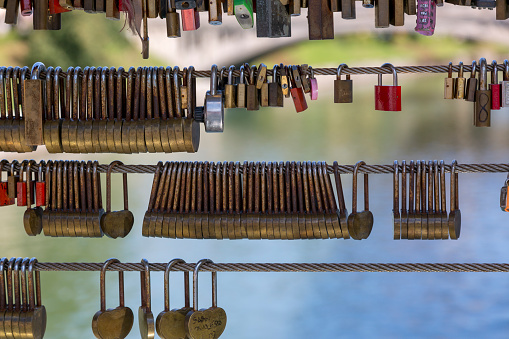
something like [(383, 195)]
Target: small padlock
[(172, 22), (285, 84), (264, 87), (40, 187), (252, 99), (505, 85), (243, 10), (215, 12), (21, 186), (504, 203), (471, 83), (449, 84), (230, 90), (426, 17), (4, 196), (190, 16), (12, 181), (388, 98), (241, 89), (495, 88), (343, 89), (313, 84), (32, 218), (276, 98), (214, 105), (482, 107), (299, 100), (459, 83), (360, 224)]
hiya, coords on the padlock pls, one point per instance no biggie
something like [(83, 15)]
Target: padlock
[(190, 16), (388, 98), (426, 17), (504, 203), (495, 88), (33, 109), (40, 186), (455, 213), (12, 181), (471, 83), (502, 10), (313, 84), (113, 322), (397, 12), (285, 85), (214, 105), (299, 100), (32, 218), (230, 90), (348, 9), (205, 323), (215, 12), (272, 19), (243, 10), (145, 41), (21, 186), (26, 7), (459, 83), (360, 224), (11, 12), (482, 107), (185, 4), (145, 316), (4, 196), (505, 84), (252, 99), (172, 22), (40, 20), (343, 89), (116, 224), (171, 323), (276, 98), (303, 70), (449, 84), (382, 13), (263, 86)]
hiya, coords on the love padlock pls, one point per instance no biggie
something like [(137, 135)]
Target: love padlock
[(360, 224), (388, 98), (21, 186), (297, 94), (343, 89), (190, 16), (4, 195), (40, 187), (495, 87)]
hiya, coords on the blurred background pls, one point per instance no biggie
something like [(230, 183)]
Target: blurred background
[(295, 305)]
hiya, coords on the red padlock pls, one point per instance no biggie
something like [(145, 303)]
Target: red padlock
[(388, 98), (26, 7), (21, 186), (299, 100), (40, 187), (55, 8), (496, 88), (4, 196), (190, 19)]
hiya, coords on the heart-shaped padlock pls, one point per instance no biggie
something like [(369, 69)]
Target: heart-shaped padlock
[(206, 323), (112, 323)]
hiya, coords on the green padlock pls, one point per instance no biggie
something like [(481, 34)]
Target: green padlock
[(244, 13)]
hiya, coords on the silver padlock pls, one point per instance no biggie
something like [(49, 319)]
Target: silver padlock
[(214, 105), (505, 85)]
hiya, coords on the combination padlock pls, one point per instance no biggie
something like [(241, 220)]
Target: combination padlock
[(388, 98)]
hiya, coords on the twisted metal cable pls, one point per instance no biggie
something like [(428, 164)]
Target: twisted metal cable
[(343, 169), (333, 71), (285, 267)]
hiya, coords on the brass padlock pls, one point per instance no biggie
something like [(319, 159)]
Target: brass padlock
[(471, 83), (252, 100), (482, 108), (276, 98), (360, 224), (343, 89), (230, 90), (241, 89), (459, 83)]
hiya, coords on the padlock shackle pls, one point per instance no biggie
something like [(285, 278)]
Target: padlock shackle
[(108, 186), (2, 163), (252, 71), (494, 72), (483, 75), (169, 266), (15, 278), (213, 79), (176, 89), (145, 285), (103, 283), (242, 75), (221, 73), (191, 102), (36, 71), (449, 71), (473, 72), (24, 284), (460, 72), (339, 70), (195, 283), (96, 186), (274, 73), (394, 74), (13, 164), (395, 206), (230, 74), (311, 72)]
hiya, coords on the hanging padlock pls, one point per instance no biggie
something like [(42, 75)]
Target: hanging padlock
[(426, 17), (263, 86), (113, 322), (172, 21), (116, 224), (495, 88), (12, 181), (471, 83), (40, 20), (214, 105), (299, 100), (4, 196), (388, 98), (243, 10), (241, 89), (360, 224), (32, 218), (459, 84), (252, 99), (505, 84), (276, 98), (215, 12), (449, 84), (343, 89), (272, 19), (33, 109), (21, 186), (482, 107), (40, 186), (145, 316), (205, 323), (313, 84), (504, 203), (454, 221), (190, 16), (230, 93), (285, 84), (303, 70)]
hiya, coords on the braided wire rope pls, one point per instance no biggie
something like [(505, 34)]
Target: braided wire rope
[(285, 267)]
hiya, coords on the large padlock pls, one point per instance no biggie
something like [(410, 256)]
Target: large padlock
[(388, 98), (482, 107), (214, 105), (505, 85), (244, 13), (495, 88), (4, 196), (343, 89), (360, 224), (33, 109)]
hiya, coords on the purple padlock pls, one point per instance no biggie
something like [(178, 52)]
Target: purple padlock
[(313, 84), (426, 17)]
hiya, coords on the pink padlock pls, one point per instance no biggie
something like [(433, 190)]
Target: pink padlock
[(190, 19), (388, 98), (495, 88), (426, 17), (313, 84)]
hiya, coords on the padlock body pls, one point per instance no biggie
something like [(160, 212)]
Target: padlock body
[(190, 19), (252, 100), (299, 99), (470, 90), (264, 95), (276, 98), (33, 111), (21, 190), (244, 13), (387, 98), (426, 17), (504, 204), (214, 112), (12, 184), (215, 12), (40, 194), (314, 88), (4, 196), (505, 93), (343, 91), (482, 107), (272, 19), (459, 88), (230, 96), (496, 99), (449, 89), (241, 95), (173, 25)]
